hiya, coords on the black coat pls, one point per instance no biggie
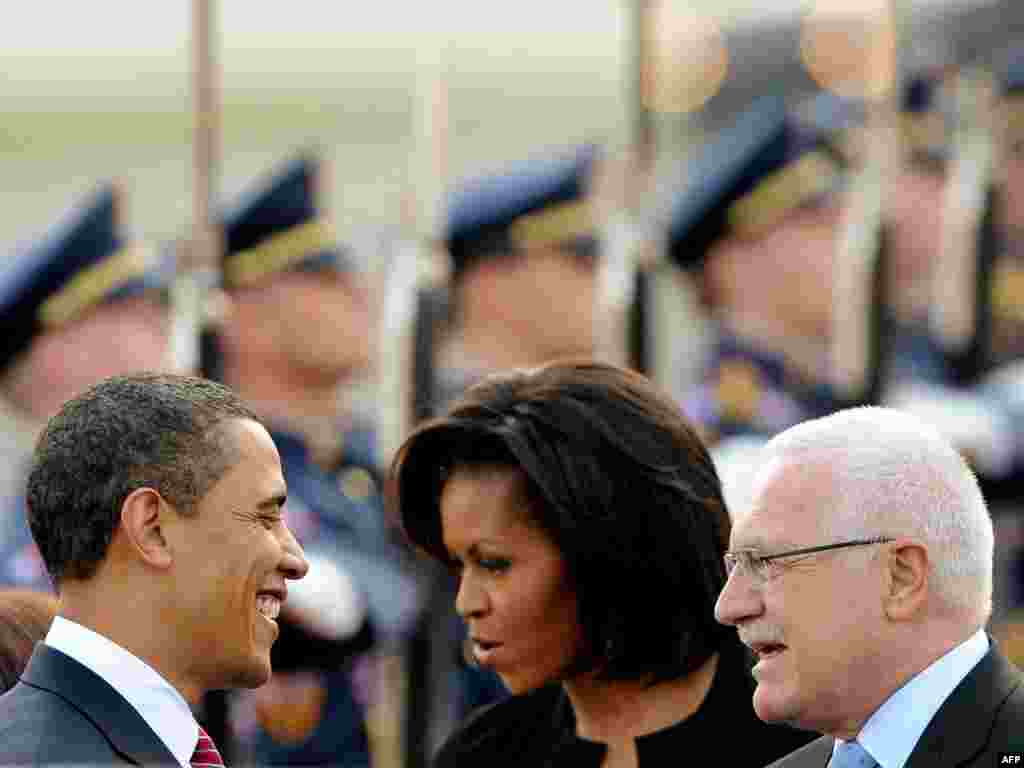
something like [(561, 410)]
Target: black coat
[(538, 729)]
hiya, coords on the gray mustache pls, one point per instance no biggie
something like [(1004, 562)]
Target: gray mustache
[(761, 636)]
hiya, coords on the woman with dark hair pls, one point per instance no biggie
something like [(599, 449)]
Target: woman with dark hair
[(25, 618), (585, 523)]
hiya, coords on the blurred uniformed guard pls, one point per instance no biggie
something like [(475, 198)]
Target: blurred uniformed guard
[(756, 227), (1001, 280), (523, 249), (996, 295), (1001, 240), (913, 227), (993, 362), (298, 330), (984, 414), (979, 405), (84, 303)]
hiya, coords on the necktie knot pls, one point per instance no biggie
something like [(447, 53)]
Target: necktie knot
[(851, 754), (206, 754)]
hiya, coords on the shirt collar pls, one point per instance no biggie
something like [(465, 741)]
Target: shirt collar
[(162, 707), (892, 732)]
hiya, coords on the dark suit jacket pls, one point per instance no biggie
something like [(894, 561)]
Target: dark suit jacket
[(981, 718), (63, 712)]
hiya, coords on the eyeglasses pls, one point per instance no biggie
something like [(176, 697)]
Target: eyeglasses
[(765, 567)]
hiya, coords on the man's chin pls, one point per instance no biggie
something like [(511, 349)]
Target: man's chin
[(768, 707), (255, 673), (258, 678)]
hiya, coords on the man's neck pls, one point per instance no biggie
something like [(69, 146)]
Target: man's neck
[(804, 356), (491, 344), (487, 348), (146, 639), (907, 657), (27, 404)]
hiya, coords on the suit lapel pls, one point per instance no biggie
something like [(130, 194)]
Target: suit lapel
[(91, 695), (820, 751), (960, 728), (813, 755)]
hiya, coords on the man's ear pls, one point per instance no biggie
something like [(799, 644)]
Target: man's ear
[(143, 516), (907, 564)]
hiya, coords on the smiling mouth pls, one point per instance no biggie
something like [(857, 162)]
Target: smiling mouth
[(268, 606)]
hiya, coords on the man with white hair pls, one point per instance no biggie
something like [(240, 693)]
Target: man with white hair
[(861, 577)]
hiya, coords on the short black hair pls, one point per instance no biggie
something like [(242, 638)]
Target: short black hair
[(127, 432), (620, 482)]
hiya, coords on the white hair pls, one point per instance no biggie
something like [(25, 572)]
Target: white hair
[(893, 475), (737, 460)]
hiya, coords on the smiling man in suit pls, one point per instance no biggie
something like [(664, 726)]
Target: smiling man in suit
[(861, 577), (156, 503)]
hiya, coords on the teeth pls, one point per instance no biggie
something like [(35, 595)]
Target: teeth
[(269, 606)]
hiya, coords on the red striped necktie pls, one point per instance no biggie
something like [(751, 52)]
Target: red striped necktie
[(206, 754)]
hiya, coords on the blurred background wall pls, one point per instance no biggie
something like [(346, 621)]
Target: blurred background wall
[(101, 88), (89, 90)]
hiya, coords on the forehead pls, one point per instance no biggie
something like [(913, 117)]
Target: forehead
[(147, 307), (257, 464), (787, 507), (316, 279), (483, 503), (820, 215)]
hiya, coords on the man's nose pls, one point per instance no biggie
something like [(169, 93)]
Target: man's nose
[(739, 599), (294, 564)]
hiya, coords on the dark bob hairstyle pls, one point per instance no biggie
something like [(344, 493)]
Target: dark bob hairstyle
[(622, 485)]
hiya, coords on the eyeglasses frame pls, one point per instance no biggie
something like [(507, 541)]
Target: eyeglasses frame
[(731, 555)]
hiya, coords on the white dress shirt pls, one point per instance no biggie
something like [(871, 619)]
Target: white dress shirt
[(892, 732), (160, 705)]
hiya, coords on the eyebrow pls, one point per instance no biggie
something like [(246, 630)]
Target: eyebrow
[(474, 548), (758, 544)]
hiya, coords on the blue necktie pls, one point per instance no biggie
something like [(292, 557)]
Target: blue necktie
[(850, 754)]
